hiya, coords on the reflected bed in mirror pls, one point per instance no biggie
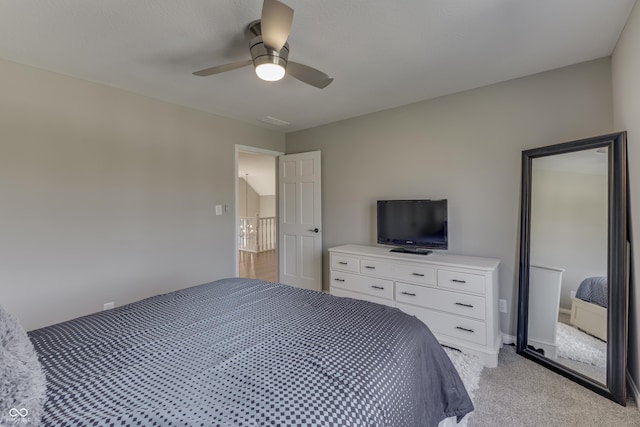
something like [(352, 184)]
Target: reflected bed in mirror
[(573, 281)]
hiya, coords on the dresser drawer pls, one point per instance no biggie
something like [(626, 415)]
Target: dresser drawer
[(461, 328), (345, 293), (458, 281), (341, 262), (438, 299), (380, 288), (409, 273), (416, 274), (377, 268)]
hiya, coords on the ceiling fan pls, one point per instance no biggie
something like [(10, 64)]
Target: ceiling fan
[(270, 51)]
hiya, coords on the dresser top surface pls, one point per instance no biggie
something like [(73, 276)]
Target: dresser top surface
[(434, 257)]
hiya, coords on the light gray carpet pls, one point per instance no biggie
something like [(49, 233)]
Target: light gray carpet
[(522, 393)]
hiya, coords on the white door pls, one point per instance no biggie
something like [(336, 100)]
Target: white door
[(300, 233)]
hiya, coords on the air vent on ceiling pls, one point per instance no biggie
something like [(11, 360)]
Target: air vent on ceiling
[(274, 121)]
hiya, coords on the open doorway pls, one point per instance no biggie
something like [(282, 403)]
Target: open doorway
[(256, 221)]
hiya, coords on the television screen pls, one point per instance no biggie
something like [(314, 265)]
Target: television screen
[(413, 224)]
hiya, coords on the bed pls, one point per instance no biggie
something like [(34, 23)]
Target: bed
[(589, 307), (244, 352)]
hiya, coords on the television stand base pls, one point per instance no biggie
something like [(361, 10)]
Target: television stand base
[(417, 251)]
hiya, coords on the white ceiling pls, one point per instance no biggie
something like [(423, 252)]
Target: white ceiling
[(381, 53)]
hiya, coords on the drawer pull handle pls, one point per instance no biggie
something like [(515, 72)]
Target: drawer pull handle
[(338, 280), (465, 329), (408, 293), (377, 287), (418, 274), (370, 267), (464, 305), (343, 263), (458, 281)]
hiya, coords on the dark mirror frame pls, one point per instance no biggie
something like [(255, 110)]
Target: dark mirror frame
[(617, 270)]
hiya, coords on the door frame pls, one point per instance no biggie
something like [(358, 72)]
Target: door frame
[(249, 149)]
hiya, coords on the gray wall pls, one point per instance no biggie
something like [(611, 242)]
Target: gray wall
[(626, 113), (109, 196), (265, 206), (268, 206), (248, 199), (464, 147)]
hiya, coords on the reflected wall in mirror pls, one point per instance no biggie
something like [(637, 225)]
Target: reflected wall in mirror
[(573, 276)]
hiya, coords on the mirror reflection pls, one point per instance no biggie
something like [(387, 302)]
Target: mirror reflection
[(568, 295)]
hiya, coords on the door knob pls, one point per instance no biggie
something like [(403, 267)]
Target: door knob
[(315, 230)]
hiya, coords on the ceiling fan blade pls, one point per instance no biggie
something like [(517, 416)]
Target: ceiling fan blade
[(222, 68), (308, 75), (276, 23)]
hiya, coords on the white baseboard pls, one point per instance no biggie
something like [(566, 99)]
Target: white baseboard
[(566, 311), (633, 387), (508, 339)]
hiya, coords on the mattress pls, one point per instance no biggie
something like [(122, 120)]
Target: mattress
[(244, 352), (594, 290)]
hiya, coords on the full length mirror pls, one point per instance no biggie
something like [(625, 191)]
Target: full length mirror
[(573, 277)]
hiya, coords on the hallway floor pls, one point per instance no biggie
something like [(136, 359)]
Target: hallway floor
[(262, 265)]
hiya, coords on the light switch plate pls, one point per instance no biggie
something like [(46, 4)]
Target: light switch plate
[(218, 209), (503, 306)]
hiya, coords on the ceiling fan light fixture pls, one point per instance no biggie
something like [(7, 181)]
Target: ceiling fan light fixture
[(269, 64), (270, 72), (270, 56)]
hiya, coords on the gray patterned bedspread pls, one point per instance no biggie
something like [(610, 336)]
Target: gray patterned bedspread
[(594, 290), (247, 353)]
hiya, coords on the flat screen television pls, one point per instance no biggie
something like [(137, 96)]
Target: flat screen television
[(414, 226)]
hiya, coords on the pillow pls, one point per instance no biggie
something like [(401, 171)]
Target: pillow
[(23, 386)]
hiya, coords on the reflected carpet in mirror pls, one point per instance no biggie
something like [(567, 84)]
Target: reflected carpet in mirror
[(576, 345)]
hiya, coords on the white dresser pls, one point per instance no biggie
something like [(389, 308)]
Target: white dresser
[(545, 285), (455, 295)]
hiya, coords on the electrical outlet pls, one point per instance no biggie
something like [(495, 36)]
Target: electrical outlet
[(503, 306), (108, 305), (573, 294)]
